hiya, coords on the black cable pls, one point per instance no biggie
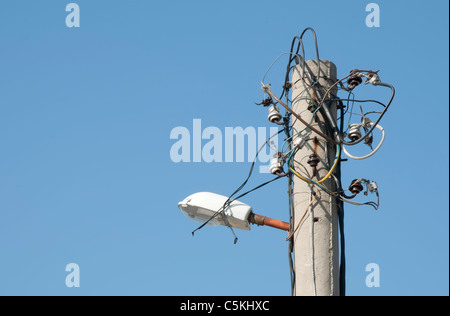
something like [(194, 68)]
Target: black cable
[(324, 108), (329, 116), (348, 197), (292, 57), (287, 130), (230, 200), (342, 266), (255, 188), (315, 84), (362, 101), (317, 47)]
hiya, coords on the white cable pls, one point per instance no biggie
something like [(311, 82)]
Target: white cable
[(287, 53), (374, 151)]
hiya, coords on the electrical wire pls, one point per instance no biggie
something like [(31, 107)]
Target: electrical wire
[(338, 153), (374, 151), (342, 141), (271, 65), (373, 204), (287, 131), (230, 199), (340, 203), (291, 234), (310, 181), (301, 119), (326, 110), (323, 98), (322, 105), (342, 265), (288, 140)]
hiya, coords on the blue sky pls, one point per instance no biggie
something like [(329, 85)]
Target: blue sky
[(85, 119)]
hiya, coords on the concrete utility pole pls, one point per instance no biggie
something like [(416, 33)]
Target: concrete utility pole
[(316, 240)]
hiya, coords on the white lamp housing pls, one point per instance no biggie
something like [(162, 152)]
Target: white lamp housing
[(200, 207)]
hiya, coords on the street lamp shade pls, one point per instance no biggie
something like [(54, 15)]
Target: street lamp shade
[(200, 207)]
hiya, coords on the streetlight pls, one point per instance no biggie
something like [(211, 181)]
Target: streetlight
[(202, 207)]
